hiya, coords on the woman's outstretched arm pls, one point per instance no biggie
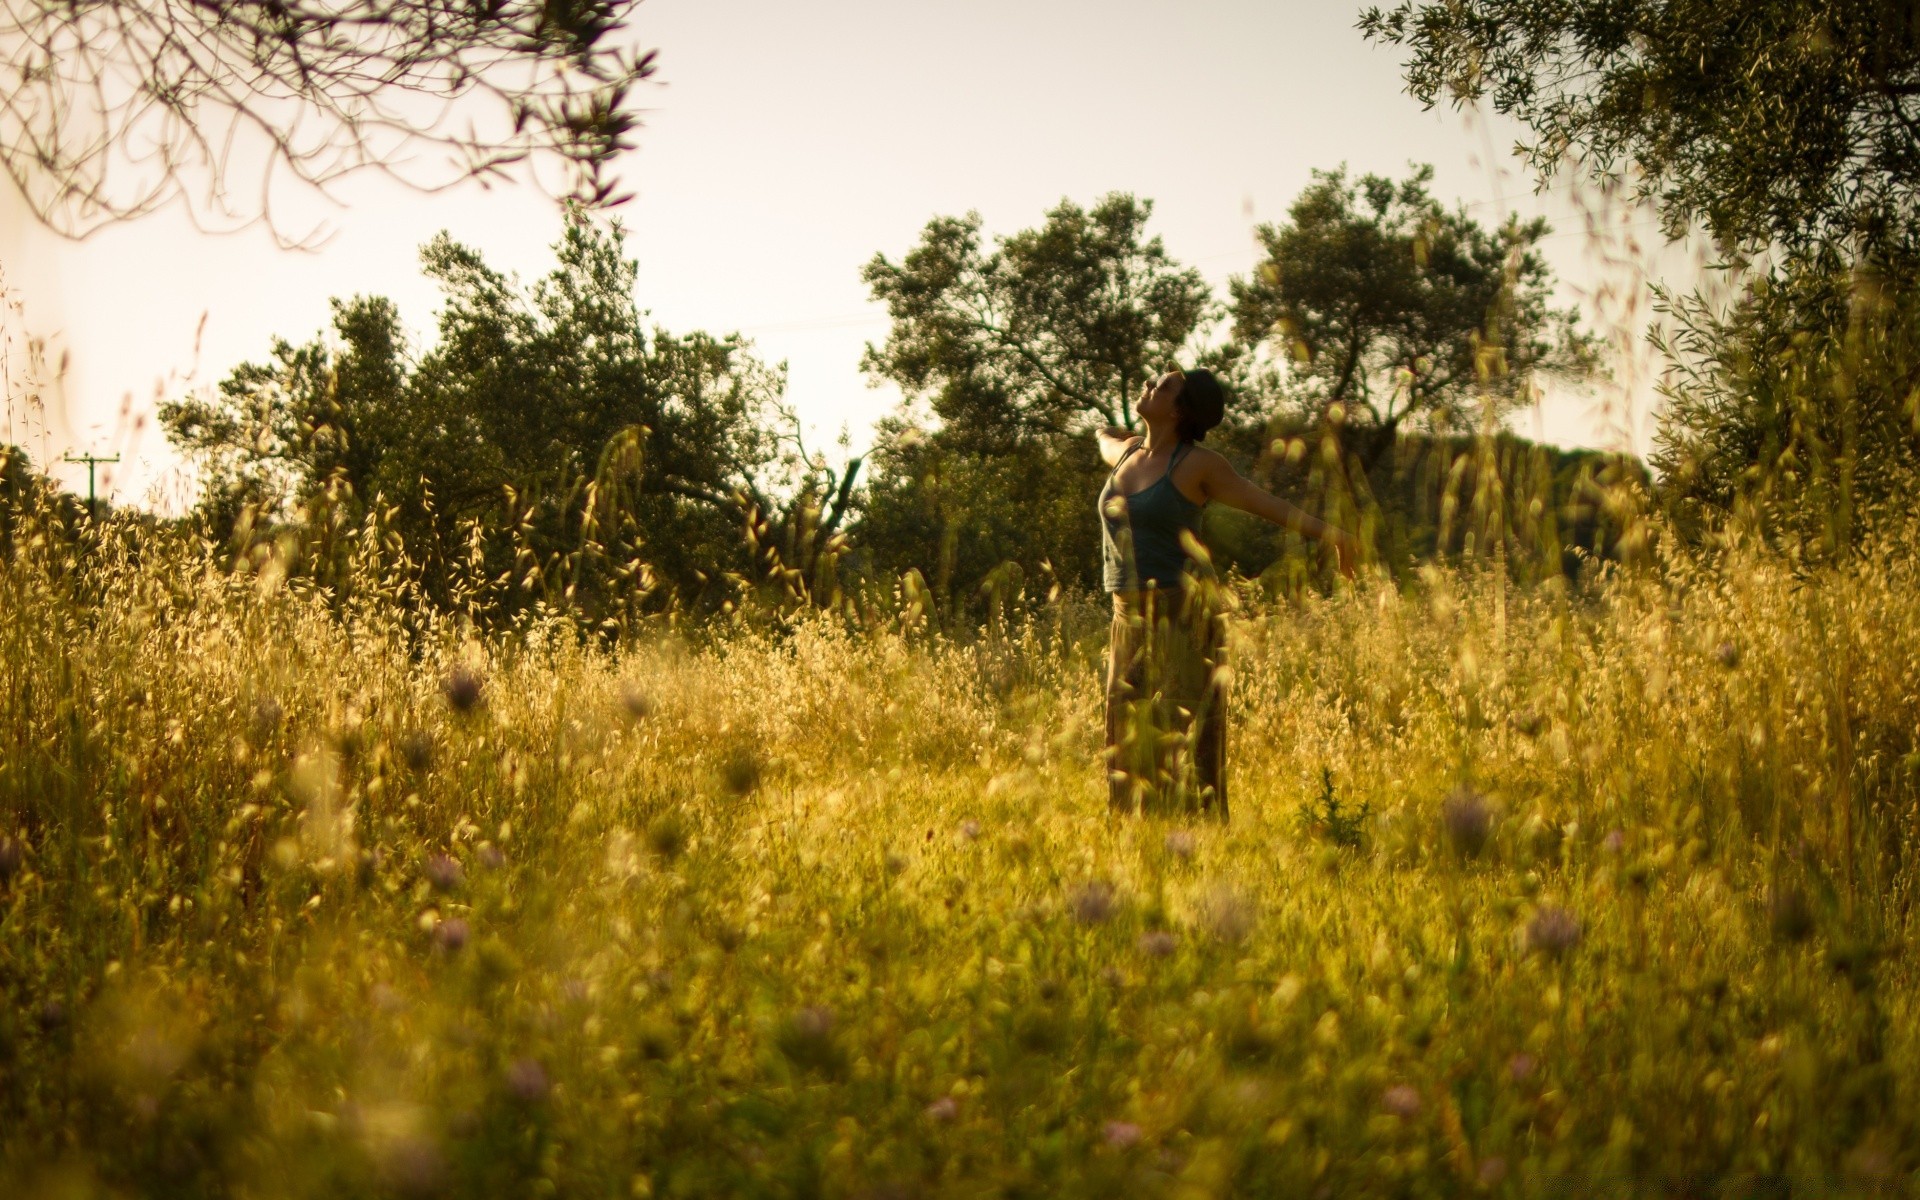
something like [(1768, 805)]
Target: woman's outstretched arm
[(1221, 482), (1113, 442)]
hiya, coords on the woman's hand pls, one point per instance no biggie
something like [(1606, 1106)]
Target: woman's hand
[(1113, 442)]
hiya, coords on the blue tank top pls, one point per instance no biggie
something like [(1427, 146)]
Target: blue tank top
[(1140, 534)]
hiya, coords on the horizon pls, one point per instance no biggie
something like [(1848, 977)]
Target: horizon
[(148, 310)]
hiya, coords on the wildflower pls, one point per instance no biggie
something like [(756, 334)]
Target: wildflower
[(1614, 842), (1493, 1169), (635, 701), (1181, 843), (1092, 903), (11, 857), (1789, 915), (1402, 1100), (970, 829), (50, 1016), (450, 935), (492, 858), (264, 720), (367, 864), (1520, 1066), (1553, 931), (462, 688), (943, 1110), (444, 872), (894, 863), (742, 771), (1120, 1134), (1467, 819), (1157, 944), (1226, 914), (807, 1040), (527, 1080), (1529, 723), (416, 748), (1727, 655), (667, 836)]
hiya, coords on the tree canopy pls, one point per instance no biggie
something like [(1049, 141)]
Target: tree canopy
[(1050, 332), (543, 416), (1398, 310), (1790, 123), (117, 107), (1790, 130)]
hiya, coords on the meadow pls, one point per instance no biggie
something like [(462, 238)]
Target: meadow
[(1573, 889)]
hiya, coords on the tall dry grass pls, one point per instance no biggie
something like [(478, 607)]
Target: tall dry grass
[(303, 895)]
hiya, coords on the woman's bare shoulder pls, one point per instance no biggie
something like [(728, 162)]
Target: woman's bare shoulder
[(1207, 461)]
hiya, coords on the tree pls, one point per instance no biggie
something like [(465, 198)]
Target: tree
[(1015, 353), (543, 417), (1395, 310), (1052, 332), (1799, 405), (1776, 123), (118, 107), (1791, 131)]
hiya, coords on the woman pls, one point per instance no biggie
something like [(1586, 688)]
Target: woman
[(1166, 690)]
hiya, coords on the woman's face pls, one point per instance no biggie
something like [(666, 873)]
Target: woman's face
[(1157, 396)]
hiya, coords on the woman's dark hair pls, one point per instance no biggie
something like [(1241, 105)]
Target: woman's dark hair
[(1201, 402)]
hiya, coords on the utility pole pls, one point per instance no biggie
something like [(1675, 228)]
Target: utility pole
[(92, 461)]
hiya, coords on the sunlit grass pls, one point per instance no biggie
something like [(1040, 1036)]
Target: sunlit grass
[(297, 900)]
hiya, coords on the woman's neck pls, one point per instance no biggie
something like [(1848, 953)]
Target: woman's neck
[(1161, 436)]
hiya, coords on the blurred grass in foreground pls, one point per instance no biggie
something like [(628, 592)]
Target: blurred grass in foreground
[(311, 899)]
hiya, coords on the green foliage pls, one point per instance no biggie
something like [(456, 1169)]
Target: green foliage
[(1391, 309), (1798, 409), (1324, 817), (1790, 131), (544, 444), (1394, 310), (1773, 123), (1049, 334)]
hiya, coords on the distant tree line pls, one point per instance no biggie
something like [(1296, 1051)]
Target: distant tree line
[(547, 447)]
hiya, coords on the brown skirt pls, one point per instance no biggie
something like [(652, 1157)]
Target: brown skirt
[(1167, 705)]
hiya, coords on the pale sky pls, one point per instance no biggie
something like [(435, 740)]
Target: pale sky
[(786, 144)]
